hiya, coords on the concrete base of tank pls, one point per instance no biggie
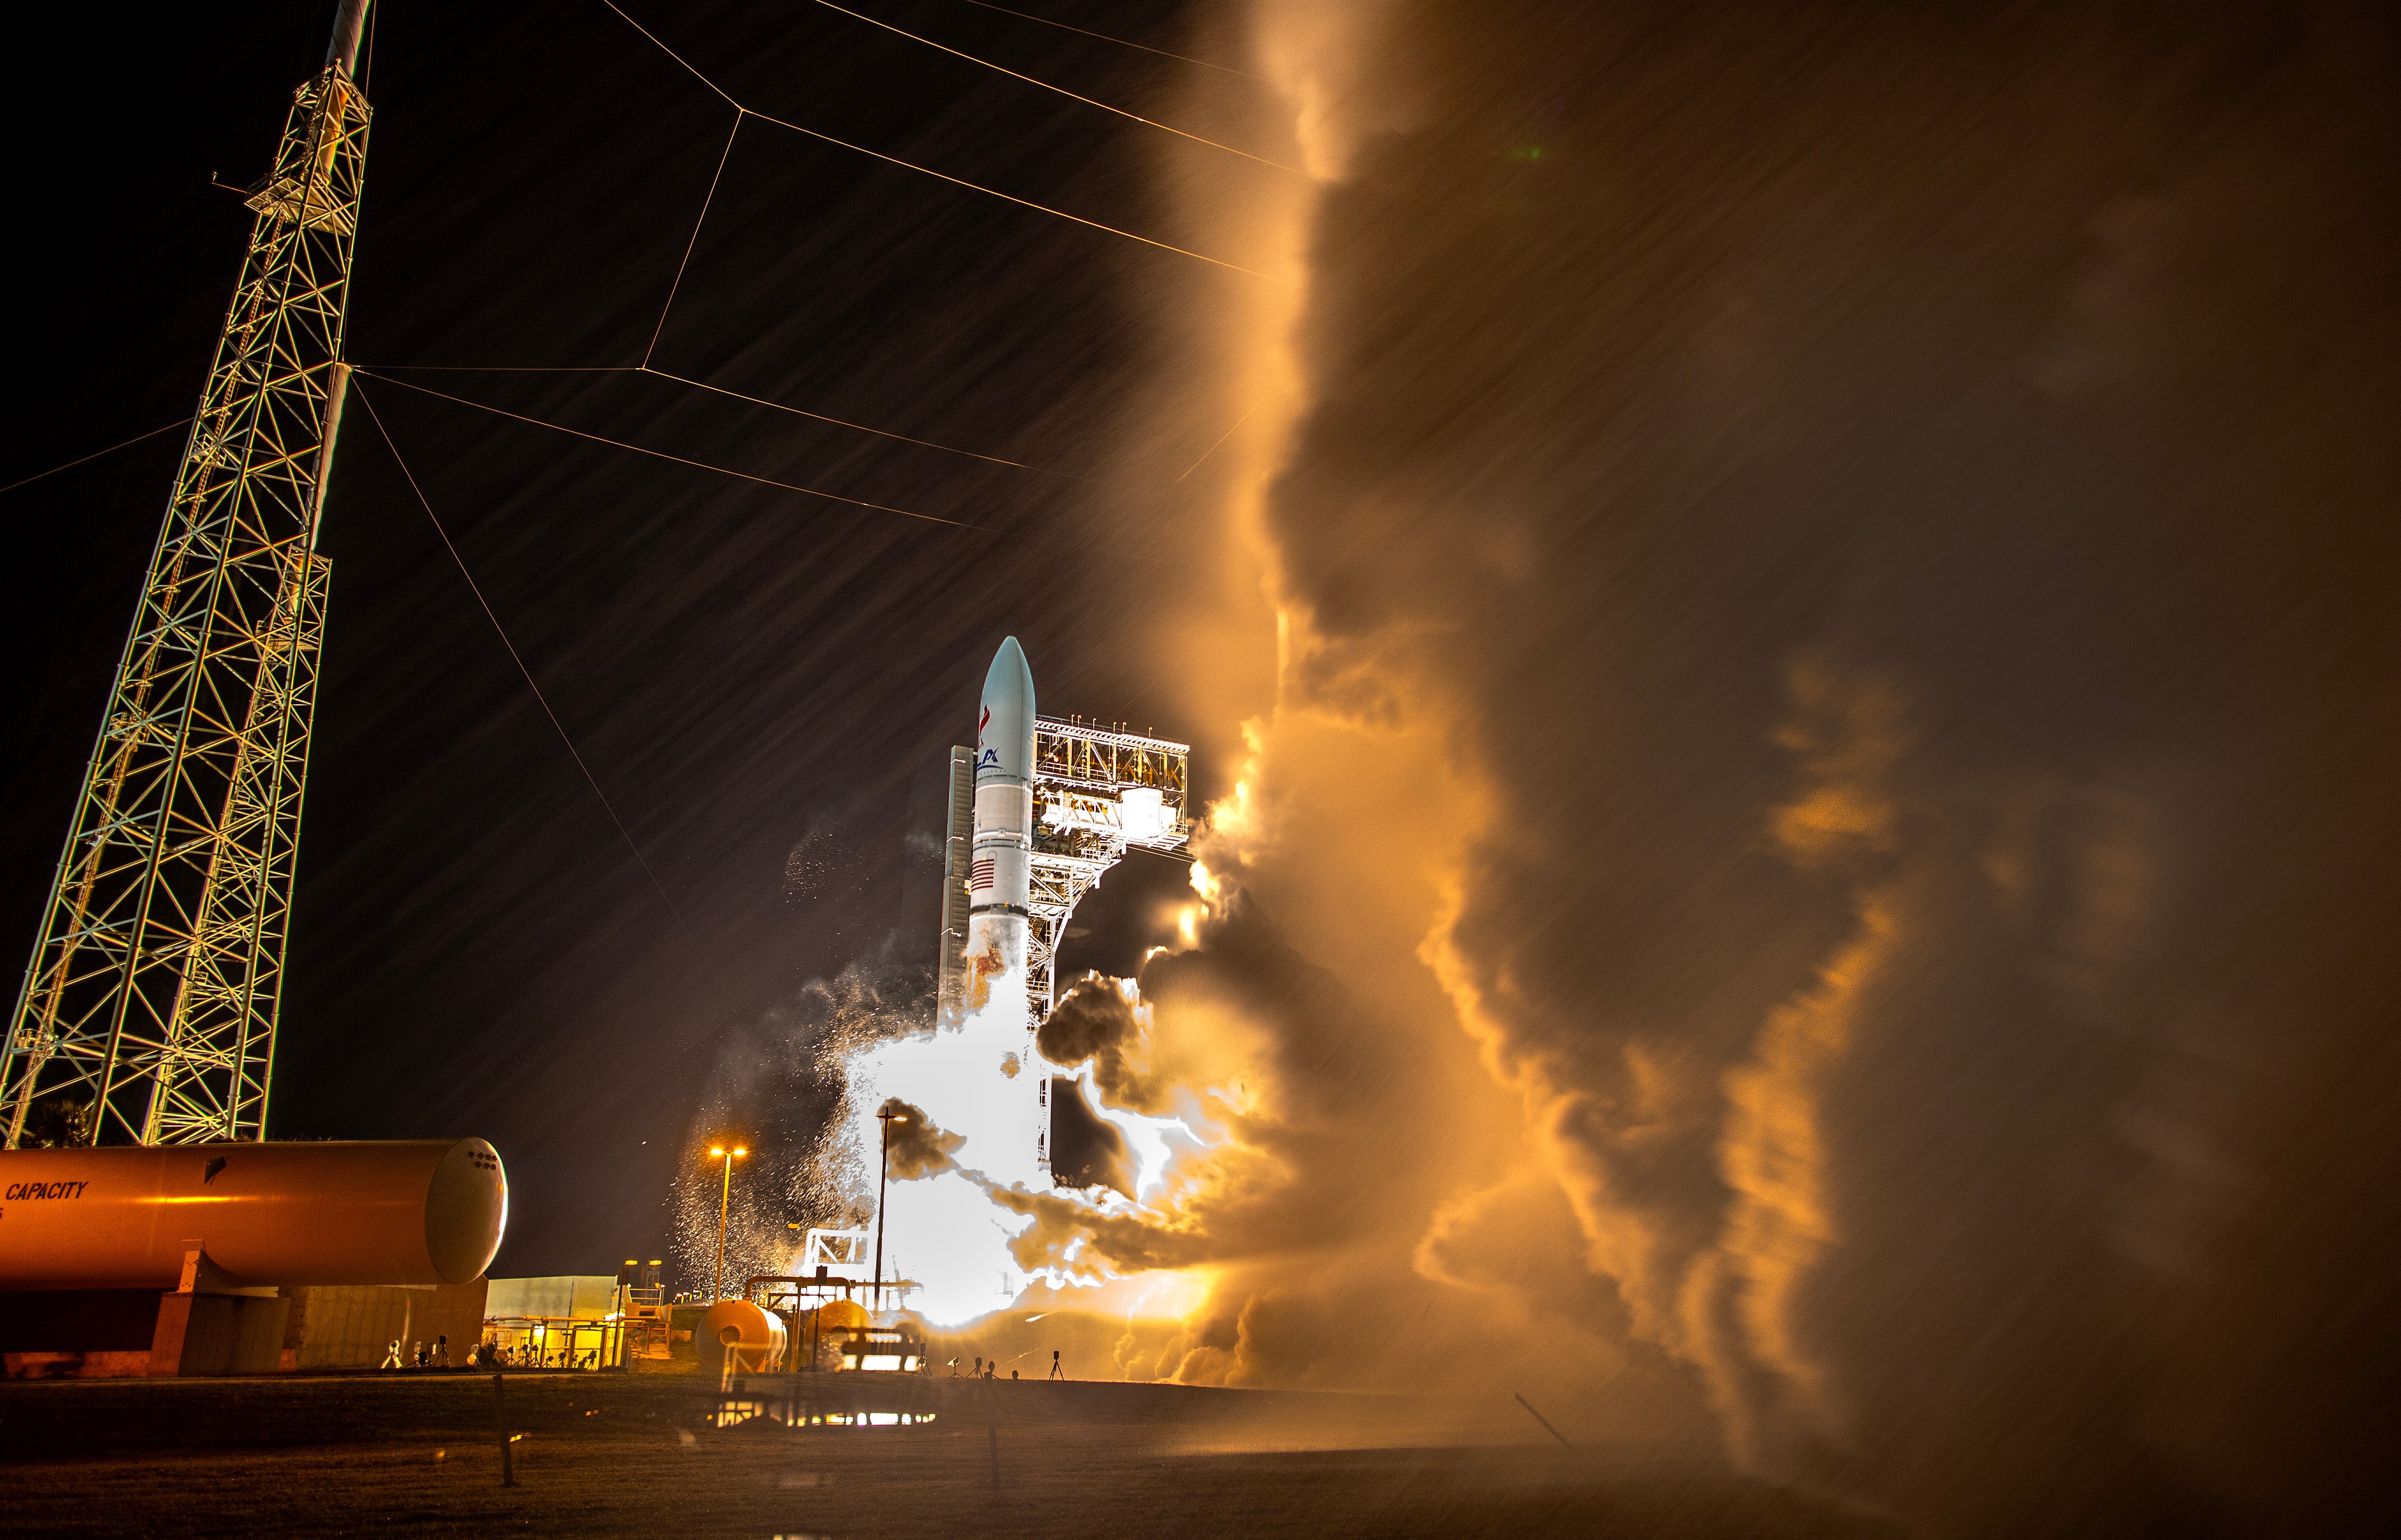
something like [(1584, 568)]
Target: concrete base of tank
[(116, 1333)]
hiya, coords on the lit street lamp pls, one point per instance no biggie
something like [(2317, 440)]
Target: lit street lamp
[(724, 1201), (882, 1180)]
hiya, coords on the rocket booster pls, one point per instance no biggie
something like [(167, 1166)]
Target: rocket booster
[(1001, 852)]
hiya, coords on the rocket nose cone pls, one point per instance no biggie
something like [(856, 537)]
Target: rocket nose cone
[(1004, 730), (1010, 679)]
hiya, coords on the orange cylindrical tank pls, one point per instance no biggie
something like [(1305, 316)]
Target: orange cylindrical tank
[(750, 1335), (827, 1333), (123, 1215), (840, 1316)]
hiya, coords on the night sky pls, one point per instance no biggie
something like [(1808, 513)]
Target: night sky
[(1789, 610)]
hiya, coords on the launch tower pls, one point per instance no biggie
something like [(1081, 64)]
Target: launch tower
[(149, 1009), (1098, 792)]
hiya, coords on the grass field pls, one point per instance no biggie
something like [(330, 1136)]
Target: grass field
[(610, 1454)]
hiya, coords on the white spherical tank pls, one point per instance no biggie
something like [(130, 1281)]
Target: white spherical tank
[(123, 1217), (748, 1335)]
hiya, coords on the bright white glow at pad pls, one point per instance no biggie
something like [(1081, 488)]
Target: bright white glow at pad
[(952, 1240)]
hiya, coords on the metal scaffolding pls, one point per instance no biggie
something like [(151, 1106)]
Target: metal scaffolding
[(149, 1009), (1097, 791)]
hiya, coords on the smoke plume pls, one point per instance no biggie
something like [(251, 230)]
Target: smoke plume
[(1098, 1022), (1805, 610), (914, 1149)]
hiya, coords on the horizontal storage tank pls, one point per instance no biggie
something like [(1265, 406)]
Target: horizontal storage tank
[(122, 1216), (750, 1336), (836, 1315)]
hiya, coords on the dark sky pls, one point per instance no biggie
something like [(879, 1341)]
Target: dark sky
[(475, 951)]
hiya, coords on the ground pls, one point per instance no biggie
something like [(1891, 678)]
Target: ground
[(616, 1454)]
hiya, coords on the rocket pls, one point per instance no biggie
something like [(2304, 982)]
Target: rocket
[(1003, 843)]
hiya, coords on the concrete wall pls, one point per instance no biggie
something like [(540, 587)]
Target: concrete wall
[(351, 1327), (218, 1334), (105, 1333)]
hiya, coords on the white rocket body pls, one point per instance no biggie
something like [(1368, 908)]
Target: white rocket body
[(1003, 843)]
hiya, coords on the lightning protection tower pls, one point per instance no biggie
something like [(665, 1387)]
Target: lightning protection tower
[(148, 1011)]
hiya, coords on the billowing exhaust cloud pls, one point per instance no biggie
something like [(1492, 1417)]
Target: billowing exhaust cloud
[(914, 1149), (1807, 623), (1095, 1022)]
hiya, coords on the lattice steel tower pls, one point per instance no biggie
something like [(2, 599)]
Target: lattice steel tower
[(148, 1011)]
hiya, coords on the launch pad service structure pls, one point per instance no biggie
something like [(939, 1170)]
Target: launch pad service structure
[(1040, 808)]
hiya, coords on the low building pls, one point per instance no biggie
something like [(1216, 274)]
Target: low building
[(571, 1321)]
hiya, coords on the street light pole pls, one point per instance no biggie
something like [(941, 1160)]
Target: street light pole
[(883, 1181), (724, 1203)]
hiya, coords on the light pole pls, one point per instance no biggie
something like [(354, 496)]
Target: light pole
[(724, 1201), (882, 1180)]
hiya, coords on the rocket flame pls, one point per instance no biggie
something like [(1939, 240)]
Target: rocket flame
[(940, 1231), (955, 1234)]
